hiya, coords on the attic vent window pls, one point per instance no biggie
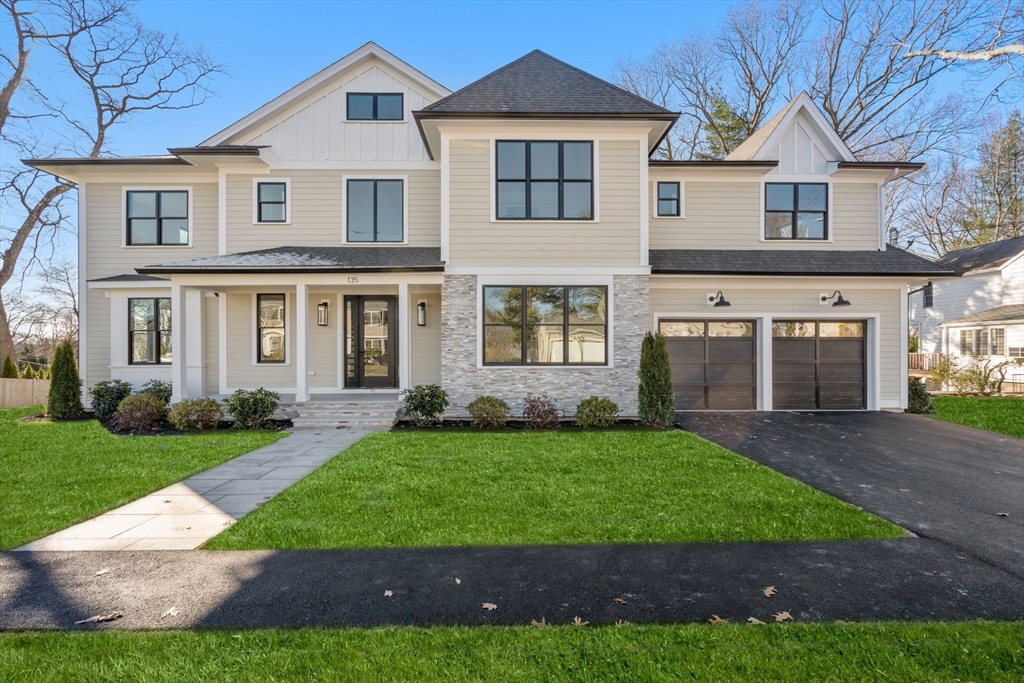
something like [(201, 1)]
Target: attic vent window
[(364, 106)]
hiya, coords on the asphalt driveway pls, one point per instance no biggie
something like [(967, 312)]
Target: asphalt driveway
[(957, 485)]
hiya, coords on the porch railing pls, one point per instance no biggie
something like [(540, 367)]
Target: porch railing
[(924, 362)]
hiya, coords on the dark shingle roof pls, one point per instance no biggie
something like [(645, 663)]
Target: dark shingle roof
[(892, 261), (309, 260), (1008, 313), (990, 255), (129, 277), (537, 83)]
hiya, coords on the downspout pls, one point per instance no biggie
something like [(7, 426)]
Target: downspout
[(881, 208)]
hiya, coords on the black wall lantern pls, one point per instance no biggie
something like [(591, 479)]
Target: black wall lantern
[(321, 314), (839, 300), (718, 299), (421, 314)]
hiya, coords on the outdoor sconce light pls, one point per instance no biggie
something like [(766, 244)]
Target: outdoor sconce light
[(838, 296), (718, 300), (321, 314), (421, 314)]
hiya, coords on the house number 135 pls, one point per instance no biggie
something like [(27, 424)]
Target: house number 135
[(352, 279)]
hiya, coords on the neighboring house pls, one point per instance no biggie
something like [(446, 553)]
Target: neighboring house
[(980, 314), (369, 230)]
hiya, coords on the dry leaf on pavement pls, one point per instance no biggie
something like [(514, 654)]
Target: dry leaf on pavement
[(172, 612), (388, 594), (621, 622), (543, 622), (769, 591), (755, 621), (102, 572), (715, 619), (620, 601), (101, 617), (579, 622), (490, 606), (458, 580), (783, 616), (1003, 514)]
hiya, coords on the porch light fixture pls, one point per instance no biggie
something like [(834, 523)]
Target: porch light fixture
[(718, 300), (421, 314), (839, 300), (321, 314)]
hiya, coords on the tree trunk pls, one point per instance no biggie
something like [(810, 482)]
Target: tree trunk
[(6, 340)]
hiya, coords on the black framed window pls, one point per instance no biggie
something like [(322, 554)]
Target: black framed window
[(544, 180), (270, 328), (796, 211), (375, 106), (157, 217), (149, 331), (929, 295), (538, 325), (375, 211), (668, 199), (271, 202)]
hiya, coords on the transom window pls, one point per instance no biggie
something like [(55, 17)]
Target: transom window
[(149, 331), (271, 202), (157, 217), (270, 329), (544, 180), (375, 211), (795, 211), (668, 199), (545, 325), (380, 106)]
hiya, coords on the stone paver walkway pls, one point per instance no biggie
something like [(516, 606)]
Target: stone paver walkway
[(185, 515)]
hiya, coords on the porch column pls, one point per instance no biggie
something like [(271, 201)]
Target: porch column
[(301, 343), (404, 338), (194, 334), (179, 337)]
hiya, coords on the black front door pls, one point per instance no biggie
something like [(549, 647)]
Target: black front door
[(371, 341)]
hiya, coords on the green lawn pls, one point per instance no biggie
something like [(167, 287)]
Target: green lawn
[(472, 488), (996, 413), (990, 652), (54, 474)]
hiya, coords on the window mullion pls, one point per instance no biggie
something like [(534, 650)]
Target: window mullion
[(524, 339), (528, 182), (159, 226), (375, 182), (561, 182), (565, 326)]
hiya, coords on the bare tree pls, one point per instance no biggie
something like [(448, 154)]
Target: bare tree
[(122, 69)]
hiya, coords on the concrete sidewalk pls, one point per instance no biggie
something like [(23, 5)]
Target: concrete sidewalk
[(185, 515)]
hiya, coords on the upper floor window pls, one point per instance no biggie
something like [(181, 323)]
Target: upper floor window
[(795, 211), (929, 295), (545, 180), (149, 331), (380, 106), (272, 202), (270, 330), (375, 211), (668, 199), (157, 217)]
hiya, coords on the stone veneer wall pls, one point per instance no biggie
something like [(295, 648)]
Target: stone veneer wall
[(464, 381)]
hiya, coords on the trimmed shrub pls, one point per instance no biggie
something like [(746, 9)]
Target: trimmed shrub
[(252, 409), (918, 400), (540, 412), (139, 413), (596, 412), (160, 389), (425, 404), (489, 412), (65, 398), (195, 414), (29, 373), (107, 396), (10, 370), (657, 403)]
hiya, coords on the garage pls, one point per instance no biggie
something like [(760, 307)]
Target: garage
[(818, 364), (713, 363)]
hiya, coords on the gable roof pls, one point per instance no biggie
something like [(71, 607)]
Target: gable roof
[(999, 314), (992, 255), (762, 139), (537, 83)]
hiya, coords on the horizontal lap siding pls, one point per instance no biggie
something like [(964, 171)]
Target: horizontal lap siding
[(241, 329), (426, 340), (323, 342), (613, 240), (211, 344)]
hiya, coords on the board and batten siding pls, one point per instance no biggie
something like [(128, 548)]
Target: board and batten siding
[(727, 215), (799, 303), (613, 240), (316, 209)]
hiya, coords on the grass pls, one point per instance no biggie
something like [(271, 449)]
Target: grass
[(472, 488), (935, 652), (1003, 414), (55, 474)]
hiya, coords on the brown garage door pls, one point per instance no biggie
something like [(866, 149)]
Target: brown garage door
[(818, 364), (713, 363)]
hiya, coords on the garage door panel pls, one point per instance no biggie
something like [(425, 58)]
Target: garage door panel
[(793, 396), (794, 372), (792, 349), (842, 350), (688, 373), (687, 350), (720, 373), (842, 396), (730, 397), (689, 397), (712, 372), (730, 350), (818, 372), (842, 373)]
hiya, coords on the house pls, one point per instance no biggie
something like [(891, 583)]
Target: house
[(369, 230), (980, 314)]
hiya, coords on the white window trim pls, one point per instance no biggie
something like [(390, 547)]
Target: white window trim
[(125, 189), (253, 331), (344, 207), (682, 199), (534, 136), (983, 353), (799, 179), (540, 281), (256, 203)]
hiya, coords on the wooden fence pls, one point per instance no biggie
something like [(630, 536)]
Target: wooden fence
[(20, 393)]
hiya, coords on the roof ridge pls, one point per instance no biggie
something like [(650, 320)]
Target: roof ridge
[(601, 80), (497, 71)]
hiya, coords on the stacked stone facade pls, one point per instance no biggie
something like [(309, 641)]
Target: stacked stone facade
[(464, 381)]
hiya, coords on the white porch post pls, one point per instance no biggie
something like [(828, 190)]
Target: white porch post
[(404, 338), (179, 336), (301, 342), (764, 361), (194, 334)]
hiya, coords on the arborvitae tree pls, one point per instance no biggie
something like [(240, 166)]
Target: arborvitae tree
[(657, 402), (65, 399), (29, 373), (10, 370)]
